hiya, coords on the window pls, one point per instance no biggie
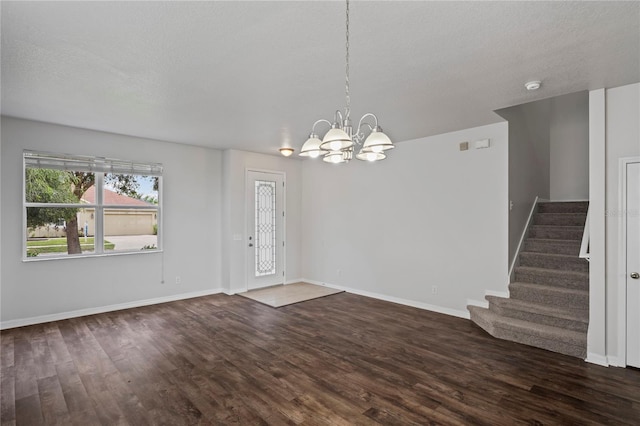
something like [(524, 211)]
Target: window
[(84, 206)]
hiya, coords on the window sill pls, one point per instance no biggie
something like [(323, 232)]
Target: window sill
[(84, 256)]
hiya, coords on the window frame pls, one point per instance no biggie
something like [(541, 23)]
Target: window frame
[(101, 167)]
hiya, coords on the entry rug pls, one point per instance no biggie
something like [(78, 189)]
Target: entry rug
[(283, 295)]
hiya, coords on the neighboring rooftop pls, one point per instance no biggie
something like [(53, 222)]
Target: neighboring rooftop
[(113, 198)]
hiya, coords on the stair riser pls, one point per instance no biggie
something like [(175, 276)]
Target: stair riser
[(578, 350), (548, 262), (551, 298), (559, 219), (481, 322), (575, 346), (553, 278), (539, 318), (579, 207), (552, 248), (555, 233)]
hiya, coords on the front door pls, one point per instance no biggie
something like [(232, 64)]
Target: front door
[(265, 229), (632, 212)]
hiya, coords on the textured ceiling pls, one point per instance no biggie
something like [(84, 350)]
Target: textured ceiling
[(256, 75)]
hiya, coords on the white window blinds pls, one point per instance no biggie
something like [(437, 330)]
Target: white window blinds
[(43, 160)]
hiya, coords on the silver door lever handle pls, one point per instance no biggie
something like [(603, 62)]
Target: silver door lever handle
[(634, 275)]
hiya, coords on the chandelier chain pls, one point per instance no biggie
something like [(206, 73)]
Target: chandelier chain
[(347, 94)]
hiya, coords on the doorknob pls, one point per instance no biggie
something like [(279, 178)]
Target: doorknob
[(250, 244), (634, 275)]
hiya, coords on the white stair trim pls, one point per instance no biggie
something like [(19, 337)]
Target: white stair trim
[(523, 237)]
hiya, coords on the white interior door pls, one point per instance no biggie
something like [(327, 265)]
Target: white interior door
[(265, 229), (632, 212)]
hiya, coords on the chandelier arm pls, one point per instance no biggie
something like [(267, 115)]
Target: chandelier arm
[(360, 134), (361, 122), (339, 115), (322, 120)]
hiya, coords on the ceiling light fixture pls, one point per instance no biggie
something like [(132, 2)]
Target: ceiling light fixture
[(533, 85), (338, 144), (286, 151)]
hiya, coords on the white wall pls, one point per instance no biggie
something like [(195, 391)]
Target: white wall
[(192, 219), (235, 163), (528, 163), (428, 215), (597, 333), (569, 147), (622, 140), (1, 237)]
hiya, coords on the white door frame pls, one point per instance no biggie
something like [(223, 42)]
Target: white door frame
[(622, 258), (284, 222)]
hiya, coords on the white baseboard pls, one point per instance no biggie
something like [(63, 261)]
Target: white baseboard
[(616, 361), (597, 359), (504, 294), (406, 302), (101, 309), (480, 303)]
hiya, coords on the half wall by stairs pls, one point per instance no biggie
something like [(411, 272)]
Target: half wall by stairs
[(548, 305)]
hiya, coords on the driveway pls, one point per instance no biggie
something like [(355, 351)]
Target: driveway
[(132, 242)]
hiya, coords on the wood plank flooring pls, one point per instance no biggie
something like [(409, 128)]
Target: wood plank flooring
[(341, 360)]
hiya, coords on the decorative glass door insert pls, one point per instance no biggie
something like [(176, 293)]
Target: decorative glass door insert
[(265, 228)]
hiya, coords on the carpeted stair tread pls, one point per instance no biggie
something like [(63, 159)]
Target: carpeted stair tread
[(574, 314), (564, 317), (550, 294), (555, 339), (563, 207), (560, 219), (560, 262), (556, 232), (552, 246), (558, 278)]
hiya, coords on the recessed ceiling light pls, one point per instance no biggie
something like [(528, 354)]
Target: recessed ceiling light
[(533, 85), (286, 151)]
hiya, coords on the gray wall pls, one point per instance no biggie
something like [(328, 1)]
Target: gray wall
[(548, 155), (569, 147), (429, 215), (528, 163), (203, 208), (191, 233)]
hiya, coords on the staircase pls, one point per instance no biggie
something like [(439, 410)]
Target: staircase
[(548, 305)]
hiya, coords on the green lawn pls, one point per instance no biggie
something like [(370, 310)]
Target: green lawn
[(59, 245)]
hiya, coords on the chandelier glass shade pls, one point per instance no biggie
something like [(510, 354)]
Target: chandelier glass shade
[(341, 140)]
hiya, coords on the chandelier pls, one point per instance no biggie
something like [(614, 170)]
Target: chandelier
[(340, 142)]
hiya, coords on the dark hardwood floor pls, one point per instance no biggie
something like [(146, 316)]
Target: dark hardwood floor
[(340, 360)]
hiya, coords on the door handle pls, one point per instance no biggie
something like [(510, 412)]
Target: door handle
[(634, 275), (250, 244)]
